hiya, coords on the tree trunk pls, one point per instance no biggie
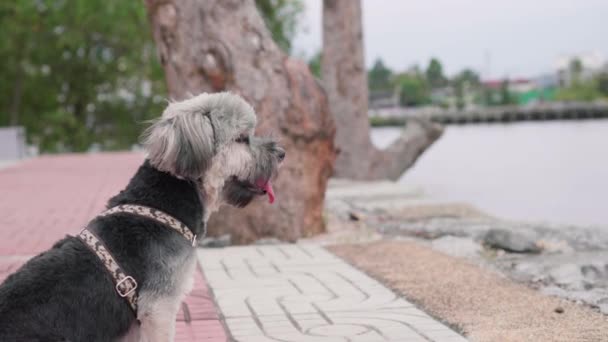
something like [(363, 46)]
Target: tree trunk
[(216, 45), (345, 79), (16, 99)]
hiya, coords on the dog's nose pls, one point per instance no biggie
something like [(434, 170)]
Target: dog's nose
[(280, 153)]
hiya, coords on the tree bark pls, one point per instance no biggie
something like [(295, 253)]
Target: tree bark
[(16, 98), (216, 45), (15, 108), (345, 79)]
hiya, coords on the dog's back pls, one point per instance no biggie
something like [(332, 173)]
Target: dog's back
[(61, 291)]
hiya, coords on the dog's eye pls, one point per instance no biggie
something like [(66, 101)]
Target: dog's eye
[(243, 139)]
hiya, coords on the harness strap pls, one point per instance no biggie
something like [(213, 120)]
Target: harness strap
[(153, 214), (125, 284)]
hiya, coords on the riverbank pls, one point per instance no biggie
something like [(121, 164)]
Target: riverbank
[(563, 261)]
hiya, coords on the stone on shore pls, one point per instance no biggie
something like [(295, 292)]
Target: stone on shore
[(457, 246), (268, 241), (221, 241), (510, 241)]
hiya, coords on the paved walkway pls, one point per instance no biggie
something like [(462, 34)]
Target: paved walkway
[(248, 294), (304, 293), (43, 199)]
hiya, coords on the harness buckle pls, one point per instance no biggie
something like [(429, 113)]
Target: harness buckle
[(130, 286)]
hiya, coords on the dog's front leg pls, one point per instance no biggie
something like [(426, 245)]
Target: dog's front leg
[(158, 330), (158, 320)]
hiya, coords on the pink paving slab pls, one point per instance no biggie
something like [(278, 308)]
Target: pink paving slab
[(204, 323), (43, 199)]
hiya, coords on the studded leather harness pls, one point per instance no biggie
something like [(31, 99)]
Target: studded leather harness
[(125, 284)]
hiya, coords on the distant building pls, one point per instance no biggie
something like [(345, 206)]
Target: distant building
[(441, 95), (448, 98), (522, 91), (12, 143), (383, 99), (547, 81), (516, 85)]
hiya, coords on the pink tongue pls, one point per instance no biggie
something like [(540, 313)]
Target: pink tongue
[(268, 188)]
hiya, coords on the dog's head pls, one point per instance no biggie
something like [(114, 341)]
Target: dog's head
[(210, 139)]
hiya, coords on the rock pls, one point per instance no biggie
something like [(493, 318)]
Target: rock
[(216, 242), (338, 207), (554, 246), (556, 291), (596, 272), (595, 297), (559, 310), (353, 216), (602, 304), (457, 246), (268, 241), (510, 241), (568, 275)]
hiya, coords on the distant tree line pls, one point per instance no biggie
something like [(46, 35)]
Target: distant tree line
[(418, 87)]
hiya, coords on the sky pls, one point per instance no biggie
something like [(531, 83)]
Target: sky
[(498, 38)]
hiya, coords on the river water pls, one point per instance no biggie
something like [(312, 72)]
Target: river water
[(553, 172)]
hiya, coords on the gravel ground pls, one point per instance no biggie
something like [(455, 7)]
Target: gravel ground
[(482, 304)]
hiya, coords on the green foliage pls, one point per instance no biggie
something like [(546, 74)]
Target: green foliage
[(602, 83), (379, 77), (78, 72), (414, 90), (281, 18), (315, 64), (465, 81), (467, 77), (434, 74), (505, 95), (378, 121), (576, 69), (583, 89), (579, 91)]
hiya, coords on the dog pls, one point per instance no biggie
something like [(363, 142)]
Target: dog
[(201, 153)]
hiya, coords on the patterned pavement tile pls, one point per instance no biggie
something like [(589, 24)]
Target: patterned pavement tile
[(304, 293)]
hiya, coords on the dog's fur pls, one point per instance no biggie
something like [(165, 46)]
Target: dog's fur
[(201, 153)]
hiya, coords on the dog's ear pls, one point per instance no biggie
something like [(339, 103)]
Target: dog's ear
[(181, 144)]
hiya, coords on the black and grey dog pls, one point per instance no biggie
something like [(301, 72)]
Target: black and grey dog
[(201, 153)]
